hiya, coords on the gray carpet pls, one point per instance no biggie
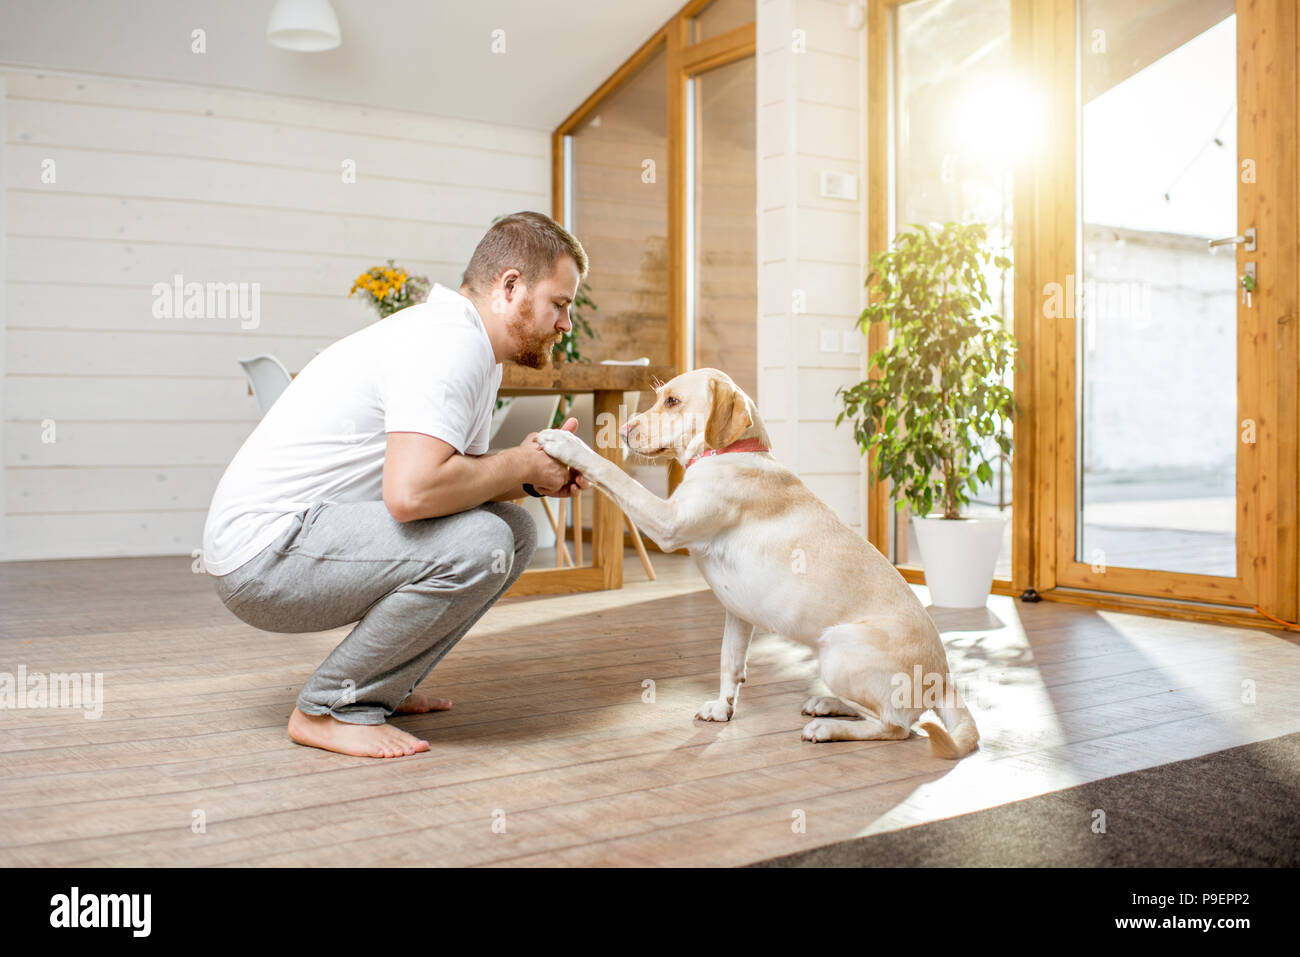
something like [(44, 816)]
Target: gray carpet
[(1234, 808)]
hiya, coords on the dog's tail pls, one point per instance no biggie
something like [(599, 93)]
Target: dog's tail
[(959, 736)]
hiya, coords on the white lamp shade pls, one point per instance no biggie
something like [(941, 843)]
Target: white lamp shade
[(305, 26)]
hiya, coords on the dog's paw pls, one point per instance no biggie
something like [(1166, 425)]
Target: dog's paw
[(821, 730), (818, 706), (565, 447), (716, 710)]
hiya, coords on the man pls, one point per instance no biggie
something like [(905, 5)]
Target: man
[(365, 494)]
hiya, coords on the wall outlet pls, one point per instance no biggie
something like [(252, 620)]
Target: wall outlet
[(852, 342), (839, 185), (830, 340)]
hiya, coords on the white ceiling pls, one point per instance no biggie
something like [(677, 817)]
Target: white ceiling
[(428, 56)]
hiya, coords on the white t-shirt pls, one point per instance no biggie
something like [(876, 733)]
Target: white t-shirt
[(428, 368)]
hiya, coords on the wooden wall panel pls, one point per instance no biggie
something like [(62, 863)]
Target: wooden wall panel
[(155, 179)]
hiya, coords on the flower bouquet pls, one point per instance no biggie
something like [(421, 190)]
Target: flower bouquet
[(389, 288)]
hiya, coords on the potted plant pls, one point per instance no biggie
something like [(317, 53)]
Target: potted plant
[(568, 348), (935, 396)]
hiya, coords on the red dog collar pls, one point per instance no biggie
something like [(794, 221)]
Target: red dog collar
[(744, 445)]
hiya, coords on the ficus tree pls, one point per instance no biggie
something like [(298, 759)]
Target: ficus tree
[(937, 392), (567, 349)]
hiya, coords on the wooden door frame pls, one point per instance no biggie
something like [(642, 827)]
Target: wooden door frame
[(1044, 248)]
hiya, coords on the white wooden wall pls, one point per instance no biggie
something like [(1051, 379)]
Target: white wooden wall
[(155, 179), (811, 117)]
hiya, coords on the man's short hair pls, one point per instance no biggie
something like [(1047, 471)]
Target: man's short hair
[(530, 242)]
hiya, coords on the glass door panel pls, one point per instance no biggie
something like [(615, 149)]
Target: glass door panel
[(722, 284), (960, 117), (1156, 323), (617, 195), (618, 209)]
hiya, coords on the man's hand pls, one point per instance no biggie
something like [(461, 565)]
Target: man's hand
[(425, 477), (571, 481), (564, 446)]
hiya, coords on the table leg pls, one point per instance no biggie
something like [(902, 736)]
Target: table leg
[(577, 524), (607, 519)]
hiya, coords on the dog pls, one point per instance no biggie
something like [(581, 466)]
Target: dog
[(779, 560)]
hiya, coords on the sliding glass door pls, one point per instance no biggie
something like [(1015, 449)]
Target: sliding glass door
[(1140, 157), (1166, 279)]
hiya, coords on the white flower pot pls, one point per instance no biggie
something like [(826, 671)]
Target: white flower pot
[(958, 556)]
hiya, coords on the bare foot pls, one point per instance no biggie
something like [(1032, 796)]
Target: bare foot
[(362, 740), (417, 702)]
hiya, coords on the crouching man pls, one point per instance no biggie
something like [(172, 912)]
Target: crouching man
[(366, 493)]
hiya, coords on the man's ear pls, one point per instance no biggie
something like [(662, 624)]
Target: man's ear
[(728, 415), (510, 281)]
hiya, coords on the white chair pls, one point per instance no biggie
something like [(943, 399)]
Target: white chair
[(268, 377), (584, 410), (523, 415), (499, 415)]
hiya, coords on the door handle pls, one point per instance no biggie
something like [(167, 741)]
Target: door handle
[(1248, 239)]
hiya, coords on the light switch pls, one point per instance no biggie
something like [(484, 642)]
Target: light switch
[(839, 185)]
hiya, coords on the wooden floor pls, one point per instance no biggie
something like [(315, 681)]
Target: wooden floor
[(552, 754)]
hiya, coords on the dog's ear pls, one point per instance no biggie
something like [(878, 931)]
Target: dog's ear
[(728, 416)]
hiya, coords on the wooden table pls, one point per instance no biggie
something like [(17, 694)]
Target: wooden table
[(607, 385)]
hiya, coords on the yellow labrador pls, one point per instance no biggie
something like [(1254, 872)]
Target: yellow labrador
[(781, 561)]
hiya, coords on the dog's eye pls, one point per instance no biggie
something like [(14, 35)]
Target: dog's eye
[(671, 400)]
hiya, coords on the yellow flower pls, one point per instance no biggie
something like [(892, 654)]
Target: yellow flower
[(382, 282)]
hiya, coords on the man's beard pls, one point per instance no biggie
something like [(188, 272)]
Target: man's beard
[(534, 350)]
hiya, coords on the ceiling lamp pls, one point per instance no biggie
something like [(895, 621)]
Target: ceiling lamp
[(304, 26)]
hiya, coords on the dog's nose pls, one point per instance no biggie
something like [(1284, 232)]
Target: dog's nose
[(626, 430)]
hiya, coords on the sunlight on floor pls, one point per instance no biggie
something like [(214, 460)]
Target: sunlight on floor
[(997, 675), (1212, 668), (1105, 695)]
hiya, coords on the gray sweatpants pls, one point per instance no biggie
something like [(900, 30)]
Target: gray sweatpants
[(414, 589)]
